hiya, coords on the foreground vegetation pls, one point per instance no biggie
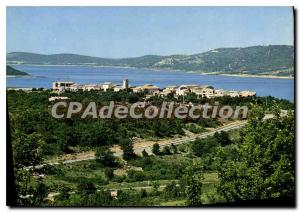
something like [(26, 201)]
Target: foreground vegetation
[(255, 162)]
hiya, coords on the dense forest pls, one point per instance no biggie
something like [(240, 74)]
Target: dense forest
[(254, 162)]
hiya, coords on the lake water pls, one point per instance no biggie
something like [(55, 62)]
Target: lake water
[(43, 76)]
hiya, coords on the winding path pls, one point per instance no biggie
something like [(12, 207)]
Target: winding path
[(147, 146)]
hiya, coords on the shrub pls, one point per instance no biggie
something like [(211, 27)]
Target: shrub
[(109, 173), (144, 153), (156, 149), (86, 188), (201, 147), (222, 138), (167, 151), (105, 157), (135, 176)]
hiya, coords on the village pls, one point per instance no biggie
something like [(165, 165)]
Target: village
[(152, 90)]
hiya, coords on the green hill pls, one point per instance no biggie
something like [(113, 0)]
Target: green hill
[(271, 59), (12, 71)]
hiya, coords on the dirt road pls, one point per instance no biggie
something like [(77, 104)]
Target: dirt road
[(140, 146)]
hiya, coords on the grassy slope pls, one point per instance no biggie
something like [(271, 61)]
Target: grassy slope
[(88, 170)]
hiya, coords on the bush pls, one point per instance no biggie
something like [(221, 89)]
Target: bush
[(166, 151), (201, 147), (172, 190), (118, 179), (128, 152), (86, 188), (143, 193), (109, 173), (48, 169), (64, 193), (135, 176), (105, 157), (222, 138), (195, 129), (174, 149), (156, 149), (182, 148), (144, 153)]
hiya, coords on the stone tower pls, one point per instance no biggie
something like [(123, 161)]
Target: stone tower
[(125, 83)]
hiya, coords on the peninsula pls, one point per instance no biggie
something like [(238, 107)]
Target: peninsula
[(10, 71)]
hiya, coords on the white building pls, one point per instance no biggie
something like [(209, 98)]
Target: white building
[(107, 85), (147, 88), (76, 87), (90, 87), (171, 88), (54, 98), (247, 93), (182, 90), (204, 92), (219, 92), (62, 86), (232, 93), (168, 90), (118, 88)]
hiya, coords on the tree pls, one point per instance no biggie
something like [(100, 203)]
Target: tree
[(27, 149), (264, 166), (156, 149), (201, 147), (39, 194), (192, 182), (134, 175), (167, 150), (109, 173), (86, 188), (64, 193), (172, 190), (105, 157), (155, 186), (127, 146), (144, 153), (222, 138), (174, 149), (143, 193), (23, 179)]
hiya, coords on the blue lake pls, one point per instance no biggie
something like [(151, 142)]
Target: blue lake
[(43, 76)]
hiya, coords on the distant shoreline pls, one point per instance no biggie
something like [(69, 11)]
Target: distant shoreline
[(170, 70), (257, 76), (19, 76), (24, 76)]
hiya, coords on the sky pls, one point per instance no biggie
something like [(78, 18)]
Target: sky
[(116, 32)]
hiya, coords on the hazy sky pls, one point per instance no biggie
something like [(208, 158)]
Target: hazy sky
[(135, 31)]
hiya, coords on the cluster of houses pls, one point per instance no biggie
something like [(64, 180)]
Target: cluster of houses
[(71, 86), (152, 90), (204, 91)]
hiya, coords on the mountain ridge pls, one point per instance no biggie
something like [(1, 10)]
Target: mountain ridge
[(272, 59)]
